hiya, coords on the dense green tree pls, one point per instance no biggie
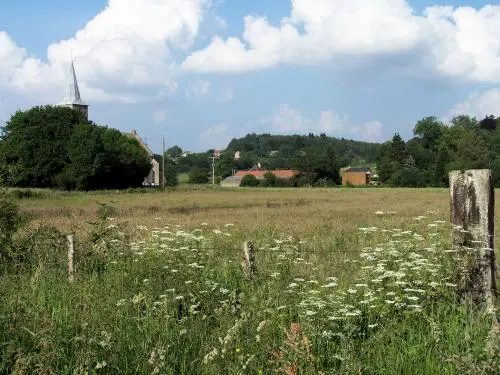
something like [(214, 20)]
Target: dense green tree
[(249, 180), (198, 175), (57, 147), (224, 165), (441, 170), (429, 130), (489, 123), (174, 152), (170, 174), (36, 141), (270, 179)]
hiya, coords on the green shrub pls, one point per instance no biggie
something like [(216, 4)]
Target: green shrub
[(198, 175), (11, 221), (43, 246), (249, 180), (270, 179)]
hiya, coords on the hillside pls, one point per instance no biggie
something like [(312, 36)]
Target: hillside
[(280, 151), (317, 157)]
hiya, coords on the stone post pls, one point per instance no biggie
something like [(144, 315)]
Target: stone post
[(472, 211)]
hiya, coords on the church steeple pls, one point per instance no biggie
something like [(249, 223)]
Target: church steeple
[(72, 98)]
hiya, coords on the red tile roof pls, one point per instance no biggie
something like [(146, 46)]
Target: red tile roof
[(280, 173)]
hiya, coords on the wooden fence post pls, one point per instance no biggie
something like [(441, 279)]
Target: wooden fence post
[(71, 251), (249, 266), (472, 211)]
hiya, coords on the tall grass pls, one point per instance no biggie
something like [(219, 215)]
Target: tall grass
[(172, 299)]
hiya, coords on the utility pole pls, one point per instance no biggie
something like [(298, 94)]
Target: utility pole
[(163, 163), (213, 169)]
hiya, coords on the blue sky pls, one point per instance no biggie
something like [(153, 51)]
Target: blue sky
[(201, 72)]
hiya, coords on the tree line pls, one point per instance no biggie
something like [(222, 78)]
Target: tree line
[(57, 147), (437, 148), (317, 158), (424, 160)]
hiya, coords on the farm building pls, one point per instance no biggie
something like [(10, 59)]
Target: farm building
[(234, 181), (357, 176)]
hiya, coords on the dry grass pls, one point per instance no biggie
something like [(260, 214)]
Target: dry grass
[(328, 217), (297, 211)]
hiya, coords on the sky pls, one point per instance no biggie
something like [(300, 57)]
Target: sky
[(201, 72)]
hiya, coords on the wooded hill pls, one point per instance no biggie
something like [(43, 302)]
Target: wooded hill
[(424, 160), (318, 157)]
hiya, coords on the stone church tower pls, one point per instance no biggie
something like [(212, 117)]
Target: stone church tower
[(73, 98)]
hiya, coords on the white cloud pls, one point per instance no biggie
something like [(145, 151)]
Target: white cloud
[(465, 42), (198, 90), (291, 121), (460, 42), (129, 44), (216, 137), (479, 105)]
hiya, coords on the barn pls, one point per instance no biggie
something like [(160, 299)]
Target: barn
[(356, 176)]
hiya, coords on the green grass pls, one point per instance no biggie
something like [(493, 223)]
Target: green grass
[(183, 178), (364, 293)]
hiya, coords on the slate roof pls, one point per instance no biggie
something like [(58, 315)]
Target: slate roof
[(72, 91), (138, 138), (358, 169), (280, 173)]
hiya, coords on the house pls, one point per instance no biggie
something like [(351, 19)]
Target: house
[(280, 173), (356, 176), (235, 180), (231, 181), (237, 155), (153, 178), (217, 153)]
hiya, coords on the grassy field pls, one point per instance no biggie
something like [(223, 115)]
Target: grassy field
[(349, 281)]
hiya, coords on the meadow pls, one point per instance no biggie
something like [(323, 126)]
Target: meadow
[(349, 281)]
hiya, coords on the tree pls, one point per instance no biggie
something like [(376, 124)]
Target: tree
[(170, 173), (174, 152), (441, 167), (198, 175), (249, 180), (224, 165), (397, 151), (429, 130), (269, 179), (57, 147), (391, 158), (489, 123), (36, 141)]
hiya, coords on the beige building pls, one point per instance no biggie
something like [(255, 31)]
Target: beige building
[(153, 178), (356, 176)]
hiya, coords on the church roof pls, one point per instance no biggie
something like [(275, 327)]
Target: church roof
[(72, 91), (137, 137)]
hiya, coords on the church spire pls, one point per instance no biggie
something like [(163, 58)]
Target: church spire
[(72, 91), (73, 98)]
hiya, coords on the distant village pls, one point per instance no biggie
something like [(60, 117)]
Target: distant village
[(290, 160), (351, 176)]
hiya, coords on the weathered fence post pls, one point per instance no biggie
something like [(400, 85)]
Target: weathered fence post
[(472, 211), (71, 251), (249, 267)]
